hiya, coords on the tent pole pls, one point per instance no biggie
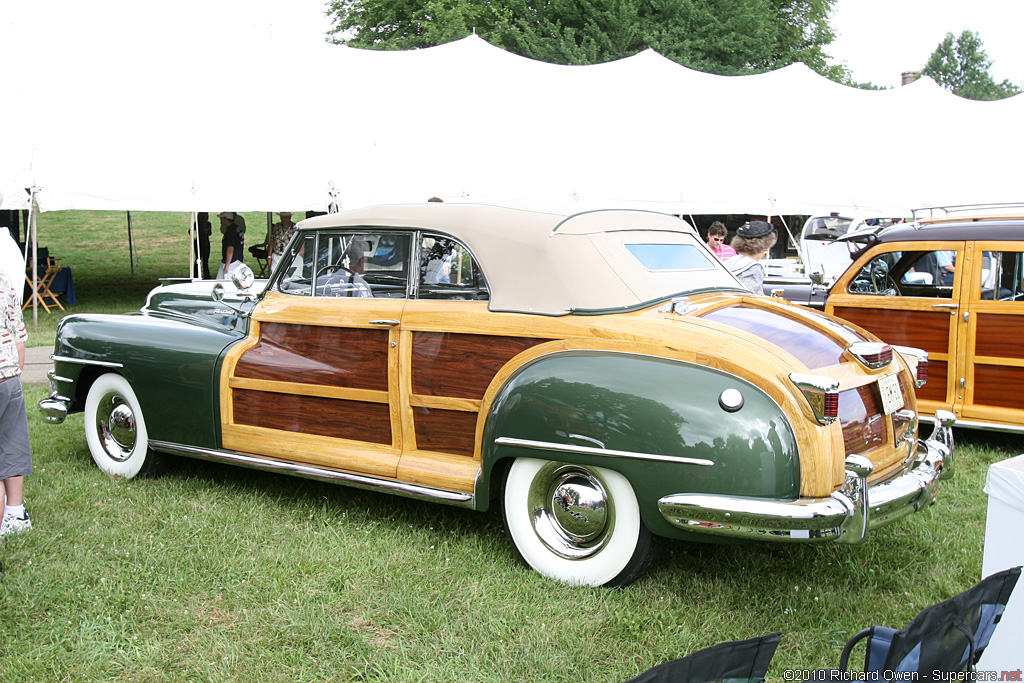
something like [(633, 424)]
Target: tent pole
[(33, 230), (131, 251), (193, 247)]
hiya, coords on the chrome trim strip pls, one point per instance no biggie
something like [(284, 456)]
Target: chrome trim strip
[(987, 426), (587, 450), (54, 377), (85, 361), (319, 473)]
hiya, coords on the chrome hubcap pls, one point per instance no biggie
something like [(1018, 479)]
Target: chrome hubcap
[(115, 424), (570, 510)]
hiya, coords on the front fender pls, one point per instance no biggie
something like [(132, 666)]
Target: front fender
[(659, 422), (173, 366)]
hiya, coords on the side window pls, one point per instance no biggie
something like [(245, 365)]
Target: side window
[(448, 271), (927, 274), (349, 264), (908, 273), (1002, 275), (876, 276)]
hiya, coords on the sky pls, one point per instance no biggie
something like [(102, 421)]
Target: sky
[(880, 39)]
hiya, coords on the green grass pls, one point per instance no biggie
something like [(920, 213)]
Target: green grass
[(214, 573)]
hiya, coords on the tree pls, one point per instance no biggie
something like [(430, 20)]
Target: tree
[(717, 36), (961, 66)]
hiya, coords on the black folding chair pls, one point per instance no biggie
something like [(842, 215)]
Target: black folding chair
[(738, 661), (947, 637)]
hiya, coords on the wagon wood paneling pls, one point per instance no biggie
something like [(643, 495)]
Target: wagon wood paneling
[(447, 431), (864, 424), (923, 329), (998, 385), (999, 336), (329, 356), (461, 365), (938, 378), (812, 347), (331, 417)]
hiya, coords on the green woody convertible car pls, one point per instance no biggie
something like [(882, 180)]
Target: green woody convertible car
[(598, 377)]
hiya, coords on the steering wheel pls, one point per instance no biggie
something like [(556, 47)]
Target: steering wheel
[(334, 272)]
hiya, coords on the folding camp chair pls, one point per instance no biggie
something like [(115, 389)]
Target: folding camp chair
[(41, 288), (946, 637), (738, 661)]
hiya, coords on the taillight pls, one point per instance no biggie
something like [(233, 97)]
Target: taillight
[(831, 411), (922, 372), (917, 359), (822, 394), (873, 355)]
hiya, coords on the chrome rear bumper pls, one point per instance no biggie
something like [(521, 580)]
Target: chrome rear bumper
[(845, 516)]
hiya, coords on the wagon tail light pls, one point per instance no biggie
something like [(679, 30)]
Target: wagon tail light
[(873, 355), (822, 393), (917, 359)]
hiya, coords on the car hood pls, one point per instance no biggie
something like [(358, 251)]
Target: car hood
[(194, 302)]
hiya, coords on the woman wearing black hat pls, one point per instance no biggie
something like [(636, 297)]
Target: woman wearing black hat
[(752, 242)]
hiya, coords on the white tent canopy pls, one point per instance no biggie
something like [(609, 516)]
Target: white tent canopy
[(201, 111)]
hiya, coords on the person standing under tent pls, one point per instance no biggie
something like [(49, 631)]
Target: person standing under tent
[(232, 244), (280, 235), (752, 242), (717, 233), (15, 450), (204, 230)]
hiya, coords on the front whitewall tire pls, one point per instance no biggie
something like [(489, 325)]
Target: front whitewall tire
[(115, 428)]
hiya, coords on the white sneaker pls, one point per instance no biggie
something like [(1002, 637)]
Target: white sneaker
[(13, 524)]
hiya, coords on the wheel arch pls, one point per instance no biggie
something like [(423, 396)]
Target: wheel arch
[(655, 420)]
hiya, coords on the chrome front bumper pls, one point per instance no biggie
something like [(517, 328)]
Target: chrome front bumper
[(845, 516)]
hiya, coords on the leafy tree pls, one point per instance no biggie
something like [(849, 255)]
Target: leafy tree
[(717, 36), (961, 66)]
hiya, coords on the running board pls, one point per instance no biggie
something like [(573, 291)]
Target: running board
[(361, 481)]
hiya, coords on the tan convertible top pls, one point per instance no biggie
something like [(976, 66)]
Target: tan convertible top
[(549, 262)]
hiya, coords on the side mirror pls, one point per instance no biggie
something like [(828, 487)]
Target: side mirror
[(817, 275)]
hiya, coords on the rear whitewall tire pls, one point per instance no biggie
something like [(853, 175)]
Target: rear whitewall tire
[(594, 537)]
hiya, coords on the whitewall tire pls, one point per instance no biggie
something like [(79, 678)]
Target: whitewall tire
[(576, 524), (116, 430)]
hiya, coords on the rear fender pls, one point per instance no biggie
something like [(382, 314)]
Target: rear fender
[(668, 426)]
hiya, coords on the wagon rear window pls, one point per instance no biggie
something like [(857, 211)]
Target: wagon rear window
[(656, 257)]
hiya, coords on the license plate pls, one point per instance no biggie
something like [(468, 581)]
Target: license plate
[(889, 389)]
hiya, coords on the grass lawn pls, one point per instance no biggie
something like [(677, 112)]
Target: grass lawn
[(214, 573)]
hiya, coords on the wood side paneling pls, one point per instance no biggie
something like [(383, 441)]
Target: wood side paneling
[(924, 329), (313, 415), (448, 431), (997, 385), (814, 348), (1001, 336), (330, 356), (461, 365), (938, 377), (864, 424)]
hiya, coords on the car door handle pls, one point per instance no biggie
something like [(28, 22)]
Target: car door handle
[(384, 321), (953, 306)]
